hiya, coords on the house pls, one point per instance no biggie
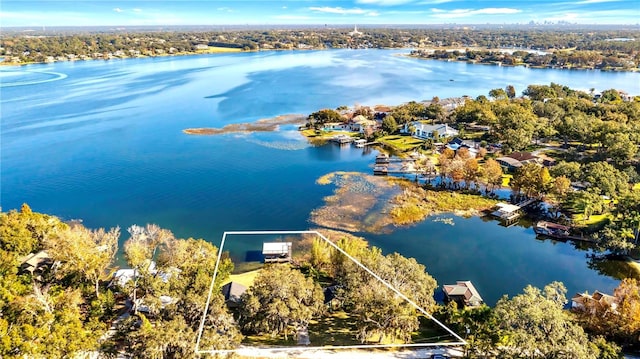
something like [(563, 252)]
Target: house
[(463, 293), (232, 293), (596, 302), (361, 124), (335, 126), (426, 132), (508, 163), (276, 252), (523, 157), (458, 143), (36, 262), (122, 276)]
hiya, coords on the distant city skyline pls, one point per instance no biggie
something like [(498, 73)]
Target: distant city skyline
[(37, 13)]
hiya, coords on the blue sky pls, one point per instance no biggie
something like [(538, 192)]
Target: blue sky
[(242, 12)]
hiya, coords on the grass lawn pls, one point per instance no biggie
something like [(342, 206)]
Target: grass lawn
[(595, 221), (506, 179), (339, 329), (246, 279), (635, 265), (326, 135), (401, 143)]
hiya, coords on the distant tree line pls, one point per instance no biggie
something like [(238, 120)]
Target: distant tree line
[(613, 45)]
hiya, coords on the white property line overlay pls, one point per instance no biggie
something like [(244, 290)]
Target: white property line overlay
[(307, 348)]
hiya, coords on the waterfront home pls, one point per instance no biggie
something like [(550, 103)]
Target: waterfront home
[(595, 302), (509, 164), (232, 293), (425, 131), (463, 293), (361, 124), (336, 126), (276, 252), (458, 143), (36, 262)]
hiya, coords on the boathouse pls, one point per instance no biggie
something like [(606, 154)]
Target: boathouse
[(507, 213), (276, 252), (463, 293)]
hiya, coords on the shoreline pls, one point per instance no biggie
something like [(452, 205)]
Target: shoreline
[(525, 65), (238, 50)]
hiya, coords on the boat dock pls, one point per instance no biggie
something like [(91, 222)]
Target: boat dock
[(510, 213), (341, 139), (558, 231)]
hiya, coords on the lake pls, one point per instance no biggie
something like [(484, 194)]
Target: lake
[(102, 141)]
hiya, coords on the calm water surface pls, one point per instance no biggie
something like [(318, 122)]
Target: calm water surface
[(102, 141)]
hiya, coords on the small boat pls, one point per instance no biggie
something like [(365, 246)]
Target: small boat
[(380, 170), (551, 229)]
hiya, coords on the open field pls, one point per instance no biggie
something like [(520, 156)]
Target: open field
[(401, 143), (246, 279)]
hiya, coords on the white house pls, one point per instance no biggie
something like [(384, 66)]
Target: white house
[(426, 131)]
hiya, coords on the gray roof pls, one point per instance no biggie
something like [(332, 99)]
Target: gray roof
[(232, 291), (510, 161)]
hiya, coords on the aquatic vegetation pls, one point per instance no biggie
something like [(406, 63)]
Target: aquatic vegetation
[(263, 125)]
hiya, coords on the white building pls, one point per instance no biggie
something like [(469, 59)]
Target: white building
[(426, 131)]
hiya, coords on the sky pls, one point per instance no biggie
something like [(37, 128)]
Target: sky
[(39, 13)]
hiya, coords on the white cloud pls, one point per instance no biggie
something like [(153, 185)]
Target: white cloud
[(284, 7), (118, 9), (137, 10), (343, 11), (225, 9), (473, 12)]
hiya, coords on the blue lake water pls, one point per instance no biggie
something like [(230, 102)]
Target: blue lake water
[(102, 141)]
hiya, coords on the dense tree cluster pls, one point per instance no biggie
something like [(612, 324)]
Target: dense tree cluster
[(62, 306), (605, 59), (534, 325), (606, 48)]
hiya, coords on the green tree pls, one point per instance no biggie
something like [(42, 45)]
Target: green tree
[(84, 252), (380, 312), (605, 179), (321, 117), (511, 91), (389, 124), (280, 297), (535, 322), (498, 94), (492, 173), (25, 231)]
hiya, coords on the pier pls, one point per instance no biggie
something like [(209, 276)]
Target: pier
[(510, 213)]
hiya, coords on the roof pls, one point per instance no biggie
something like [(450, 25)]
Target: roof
[(602, 298), (443, 129), (34, 260), (506, 207), (276, 247), (510, 161), (233, 291), (464, 289), (522, 156)]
